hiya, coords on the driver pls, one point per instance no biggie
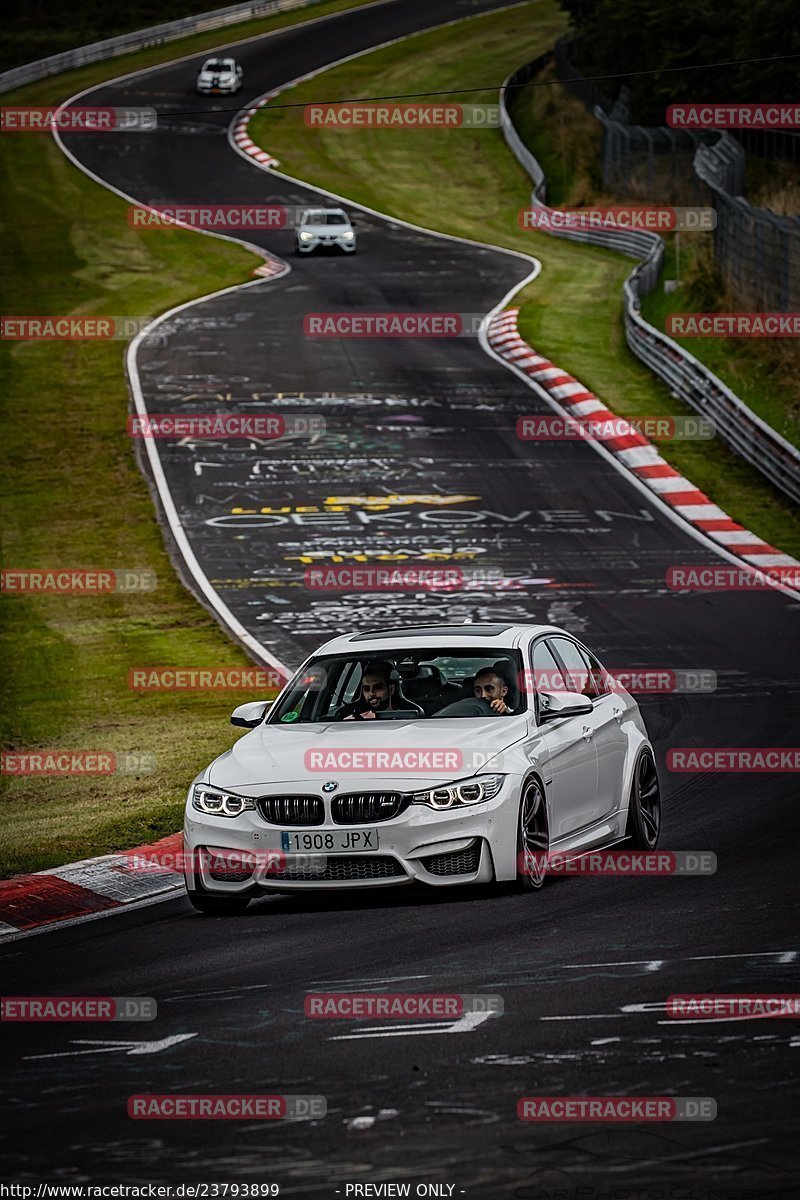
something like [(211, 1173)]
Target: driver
[(377, 692), (487, 685)]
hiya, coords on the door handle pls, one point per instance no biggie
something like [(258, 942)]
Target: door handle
[(588, 733)]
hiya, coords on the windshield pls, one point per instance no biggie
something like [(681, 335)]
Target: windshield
[(324, 218), (416, 684), (219, 64)]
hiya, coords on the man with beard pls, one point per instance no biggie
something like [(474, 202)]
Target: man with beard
[(377, 693)]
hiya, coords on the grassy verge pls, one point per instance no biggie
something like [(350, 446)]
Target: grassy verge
[(74, 498), (563, 136), (466, 182)]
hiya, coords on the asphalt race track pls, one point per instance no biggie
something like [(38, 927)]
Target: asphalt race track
[(585, 966)]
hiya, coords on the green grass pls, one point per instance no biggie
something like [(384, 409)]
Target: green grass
[(564, 138), (74, 497), (466, 182)]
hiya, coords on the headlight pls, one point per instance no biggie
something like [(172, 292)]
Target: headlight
[(347, 236), (306, 237), (463, 792), (219, 804)]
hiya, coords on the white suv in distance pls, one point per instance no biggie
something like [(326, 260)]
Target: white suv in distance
[(219, 76), (324, 227), (442, 755)]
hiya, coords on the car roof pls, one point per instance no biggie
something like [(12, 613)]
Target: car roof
[(480, 634), (317, 208)]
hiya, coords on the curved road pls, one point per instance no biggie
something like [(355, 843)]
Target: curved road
[(584, 966)]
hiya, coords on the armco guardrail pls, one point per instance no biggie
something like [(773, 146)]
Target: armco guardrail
[(687, 378), (153, 36)]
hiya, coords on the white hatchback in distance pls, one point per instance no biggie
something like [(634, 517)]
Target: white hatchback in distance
[(219, 76), (442, 754), (324, 227)]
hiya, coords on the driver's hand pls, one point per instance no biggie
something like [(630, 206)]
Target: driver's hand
[(500, 707), (368, 716)]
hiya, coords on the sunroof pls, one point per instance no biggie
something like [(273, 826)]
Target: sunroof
[(463, 631)]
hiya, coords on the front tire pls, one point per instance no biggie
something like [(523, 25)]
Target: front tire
[(533, 841), (644, 807)]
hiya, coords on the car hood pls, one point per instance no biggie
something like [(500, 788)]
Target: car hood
[(226, 74), (326, 230), (273, 755)]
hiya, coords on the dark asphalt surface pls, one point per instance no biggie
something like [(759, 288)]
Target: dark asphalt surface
[(584, 966)]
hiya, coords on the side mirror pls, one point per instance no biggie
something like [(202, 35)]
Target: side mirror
[(250, 715), (563, 704)]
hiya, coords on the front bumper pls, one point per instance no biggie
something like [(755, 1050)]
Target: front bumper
[(439, 848), (326, 243)]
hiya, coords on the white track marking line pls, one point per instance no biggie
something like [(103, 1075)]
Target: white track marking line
[(466, 1024), (109, 1047), (359, 983), (783, 956)]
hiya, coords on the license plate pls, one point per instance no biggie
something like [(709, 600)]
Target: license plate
[(337, 840)]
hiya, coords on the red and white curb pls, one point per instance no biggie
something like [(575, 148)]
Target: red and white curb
[(245, 145), (632, 449), (95, 885), (273, 266), (243, 140)]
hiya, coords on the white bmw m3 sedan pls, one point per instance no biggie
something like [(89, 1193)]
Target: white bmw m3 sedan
[(439, 755)]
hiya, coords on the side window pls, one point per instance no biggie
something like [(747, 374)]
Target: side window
[(600, 677), (580, 670), (547, 674)]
